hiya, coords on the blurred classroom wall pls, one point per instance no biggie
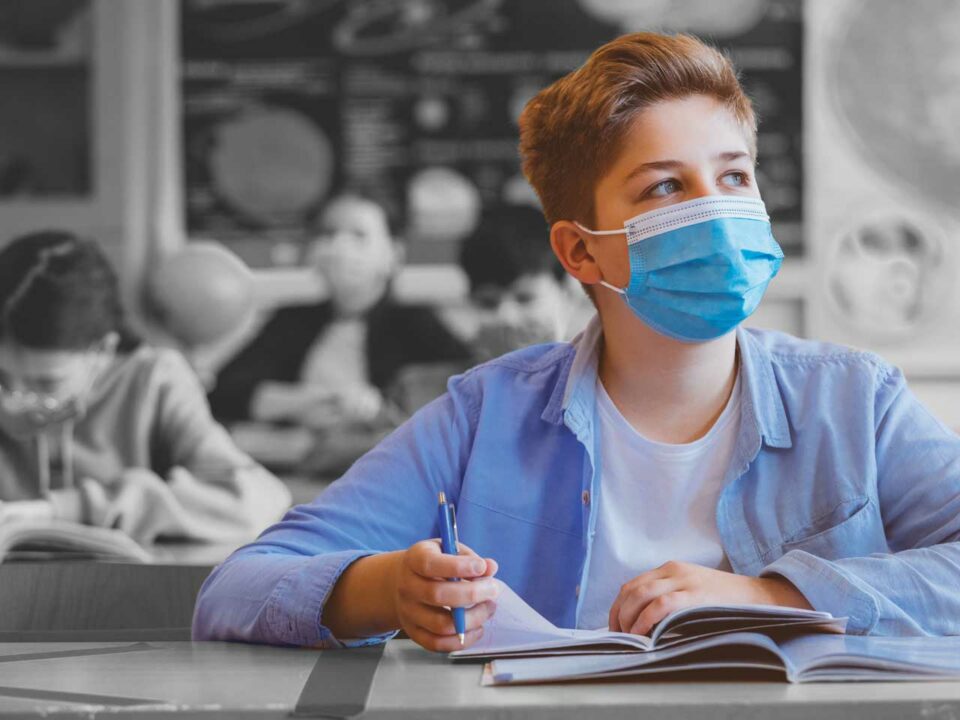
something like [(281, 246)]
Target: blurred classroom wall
[(154, 108)]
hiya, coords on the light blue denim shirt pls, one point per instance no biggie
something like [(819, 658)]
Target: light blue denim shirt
[(841, 482)]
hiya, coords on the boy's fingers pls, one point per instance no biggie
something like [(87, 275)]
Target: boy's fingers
[(439, 621), (638, 598), (429, 562), (443, 643), (657, 610), (441, 593), (491, 565), (613, 618)]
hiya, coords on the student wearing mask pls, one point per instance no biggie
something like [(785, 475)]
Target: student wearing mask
[(668, 457), (97, 427), (328, 364)]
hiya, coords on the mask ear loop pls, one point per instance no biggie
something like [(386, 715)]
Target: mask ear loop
[(619, 291)]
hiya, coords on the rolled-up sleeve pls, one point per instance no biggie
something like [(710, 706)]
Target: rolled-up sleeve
[(274, 590), (913, 589)]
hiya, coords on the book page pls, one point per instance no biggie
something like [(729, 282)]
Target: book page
[(517, 627), (514, 624), (828, 657), (543, 669), (705, 620)]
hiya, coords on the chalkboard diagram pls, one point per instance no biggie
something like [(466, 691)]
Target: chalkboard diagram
[(228, 21), (444, 205), (718, 19), (896, 96), (885, 276), (383, 27), (418, 101), (270, 164), (898, 93)]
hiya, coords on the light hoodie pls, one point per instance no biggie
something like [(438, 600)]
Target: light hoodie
[(147, 456)]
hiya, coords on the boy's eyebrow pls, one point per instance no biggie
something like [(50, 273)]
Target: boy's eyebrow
[(674, 164)]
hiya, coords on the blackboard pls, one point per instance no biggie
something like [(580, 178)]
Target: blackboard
[(417, 100)]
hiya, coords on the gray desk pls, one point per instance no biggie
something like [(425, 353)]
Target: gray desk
[(90, 600), (219, 680)]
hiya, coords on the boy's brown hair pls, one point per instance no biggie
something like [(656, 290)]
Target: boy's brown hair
[(570, 133)]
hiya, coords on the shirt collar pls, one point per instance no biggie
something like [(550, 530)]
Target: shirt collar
[(574, 396)]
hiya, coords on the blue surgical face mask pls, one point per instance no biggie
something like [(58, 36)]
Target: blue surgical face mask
[(698, 268)]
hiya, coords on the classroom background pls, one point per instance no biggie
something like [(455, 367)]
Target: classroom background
[(160, 125)]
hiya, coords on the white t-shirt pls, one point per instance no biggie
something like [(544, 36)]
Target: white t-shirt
[(657, 503), (338, 357)]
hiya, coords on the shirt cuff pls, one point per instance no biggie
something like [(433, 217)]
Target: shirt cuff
[(828, 589), (295, 608)]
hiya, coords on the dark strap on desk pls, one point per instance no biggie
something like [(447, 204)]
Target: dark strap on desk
[(340, 683)]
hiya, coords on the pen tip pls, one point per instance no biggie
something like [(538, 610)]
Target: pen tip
[(462, 639)]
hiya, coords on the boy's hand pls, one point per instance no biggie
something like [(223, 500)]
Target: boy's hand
[(650, 597), (423, 594)]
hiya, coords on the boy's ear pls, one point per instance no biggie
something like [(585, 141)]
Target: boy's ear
[(570, 247)]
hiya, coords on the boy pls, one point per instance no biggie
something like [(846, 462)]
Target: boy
[(517, 286), (666, 457), (326, 364), (100, 428), (518, 297)]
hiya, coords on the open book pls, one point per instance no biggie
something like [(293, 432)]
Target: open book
[(803, 645), (801, 658), (60, 540), (516, 629)]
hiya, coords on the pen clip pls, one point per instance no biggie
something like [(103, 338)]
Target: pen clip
[(453, 521)]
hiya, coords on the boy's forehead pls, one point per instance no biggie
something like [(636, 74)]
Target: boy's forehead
[(38, 362), (686, 130)]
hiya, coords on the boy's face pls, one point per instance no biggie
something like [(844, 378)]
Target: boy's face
[(527, 312), (47, 384), (675, 150), (355, 253)]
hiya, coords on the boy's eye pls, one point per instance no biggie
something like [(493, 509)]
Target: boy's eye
[(736, 179), (663, 188), (487, 298)]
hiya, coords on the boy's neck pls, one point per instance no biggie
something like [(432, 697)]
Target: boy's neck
[(669, 391)]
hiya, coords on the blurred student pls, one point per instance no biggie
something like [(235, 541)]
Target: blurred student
[(517, 286), (518, 297), (327, 365), (99, 428)]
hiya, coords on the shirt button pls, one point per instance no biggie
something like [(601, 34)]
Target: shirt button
[(585, 497), (576, 591)]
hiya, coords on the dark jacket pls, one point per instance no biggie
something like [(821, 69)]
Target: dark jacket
[(397, 336)]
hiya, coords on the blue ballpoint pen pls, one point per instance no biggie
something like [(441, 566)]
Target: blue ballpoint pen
[(449, 543)]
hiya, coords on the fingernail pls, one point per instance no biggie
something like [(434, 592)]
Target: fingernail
[(479, 566)]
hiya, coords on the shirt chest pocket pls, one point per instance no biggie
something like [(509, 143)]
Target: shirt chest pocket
[(853, 529)]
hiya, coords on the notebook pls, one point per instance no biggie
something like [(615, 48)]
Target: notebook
[(800, 658), (62, 540), (516, 629)]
